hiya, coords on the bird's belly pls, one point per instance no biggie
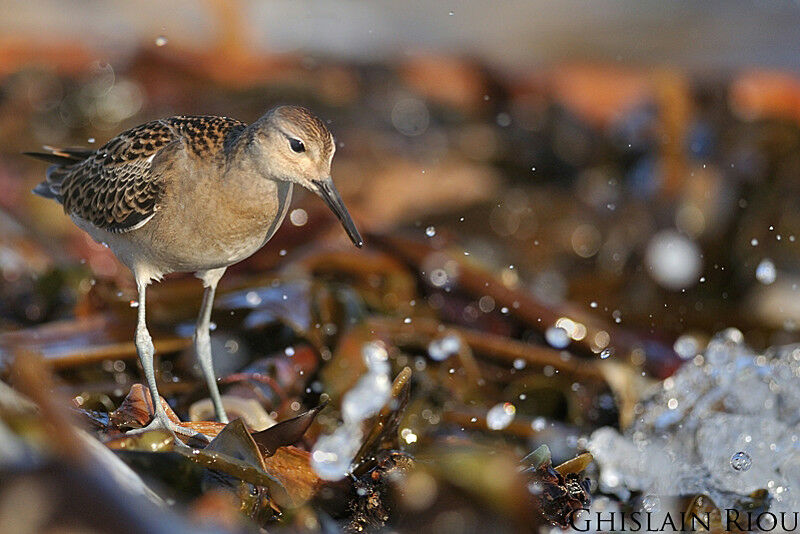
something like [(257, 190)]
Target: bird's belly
[(215, 242), (185, 240)]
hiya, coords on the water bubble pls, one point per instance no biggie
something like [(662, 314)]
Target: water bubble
[(651, 503), (90, 140), (606, 353), (430, 231), (741, 461), (519, 363), (754, 242), (687, 347), (451, 13), (500, 416), (593, 304), (557, 337), (765, 272), (161, 40)]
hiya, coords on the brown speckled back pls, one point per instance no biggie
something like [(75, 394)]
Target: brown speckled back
[(116, 187)]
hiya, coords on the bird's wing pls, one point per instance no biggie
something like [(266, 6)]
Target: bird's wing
[(118, 187)]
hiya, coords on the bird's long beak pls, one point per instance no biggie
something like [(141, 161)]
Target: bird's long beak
[(333, 199)]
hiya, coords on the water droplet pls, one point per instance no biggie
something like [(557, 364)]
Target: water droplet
[(651, 503), (673, 260), (741, 461), (519, 363), (606, 353), (593, 304), (90, 140), (765, 272), (503, 119), (299, 217), (408, 435), (134, 304), (754, 242), (161, 40), (252, 298), (430, 231), (500, 416), (557, 337), (451, 13)]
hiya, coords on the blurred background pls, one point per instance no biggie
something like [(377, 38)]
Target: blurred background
[(610, 178)]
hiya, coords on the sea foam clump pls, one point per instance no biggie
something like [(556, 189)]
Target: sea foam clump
[(333, 454), (726, 424)]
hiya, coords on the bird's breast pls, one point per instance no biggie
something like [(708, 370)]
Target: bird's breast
[(208, 231)]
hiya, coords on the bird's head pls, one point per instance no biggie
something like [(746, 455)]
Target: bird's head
[(293, 145)]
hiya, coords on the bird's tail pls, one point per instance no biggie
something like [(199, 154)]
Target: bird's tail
[(61, 159)]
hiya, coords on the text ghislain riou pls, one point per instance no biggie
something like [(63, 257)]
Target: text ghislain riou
[(583, 520)]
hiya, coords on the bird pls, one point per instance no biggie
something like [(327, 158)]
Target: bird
[(192, 194)]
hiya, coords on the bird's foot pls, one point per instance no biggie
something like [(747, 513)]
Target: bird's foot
[(180, 433)]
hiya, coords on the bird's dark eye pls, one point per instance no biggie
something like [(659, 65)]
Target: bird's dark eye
[(297, 145)]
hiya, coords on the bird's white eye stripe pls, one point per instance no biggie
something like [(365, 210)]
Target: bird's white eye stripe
[(333, 149)]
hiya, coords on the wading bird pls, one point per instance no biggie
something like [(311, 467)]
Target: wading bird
[(193, 194)]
